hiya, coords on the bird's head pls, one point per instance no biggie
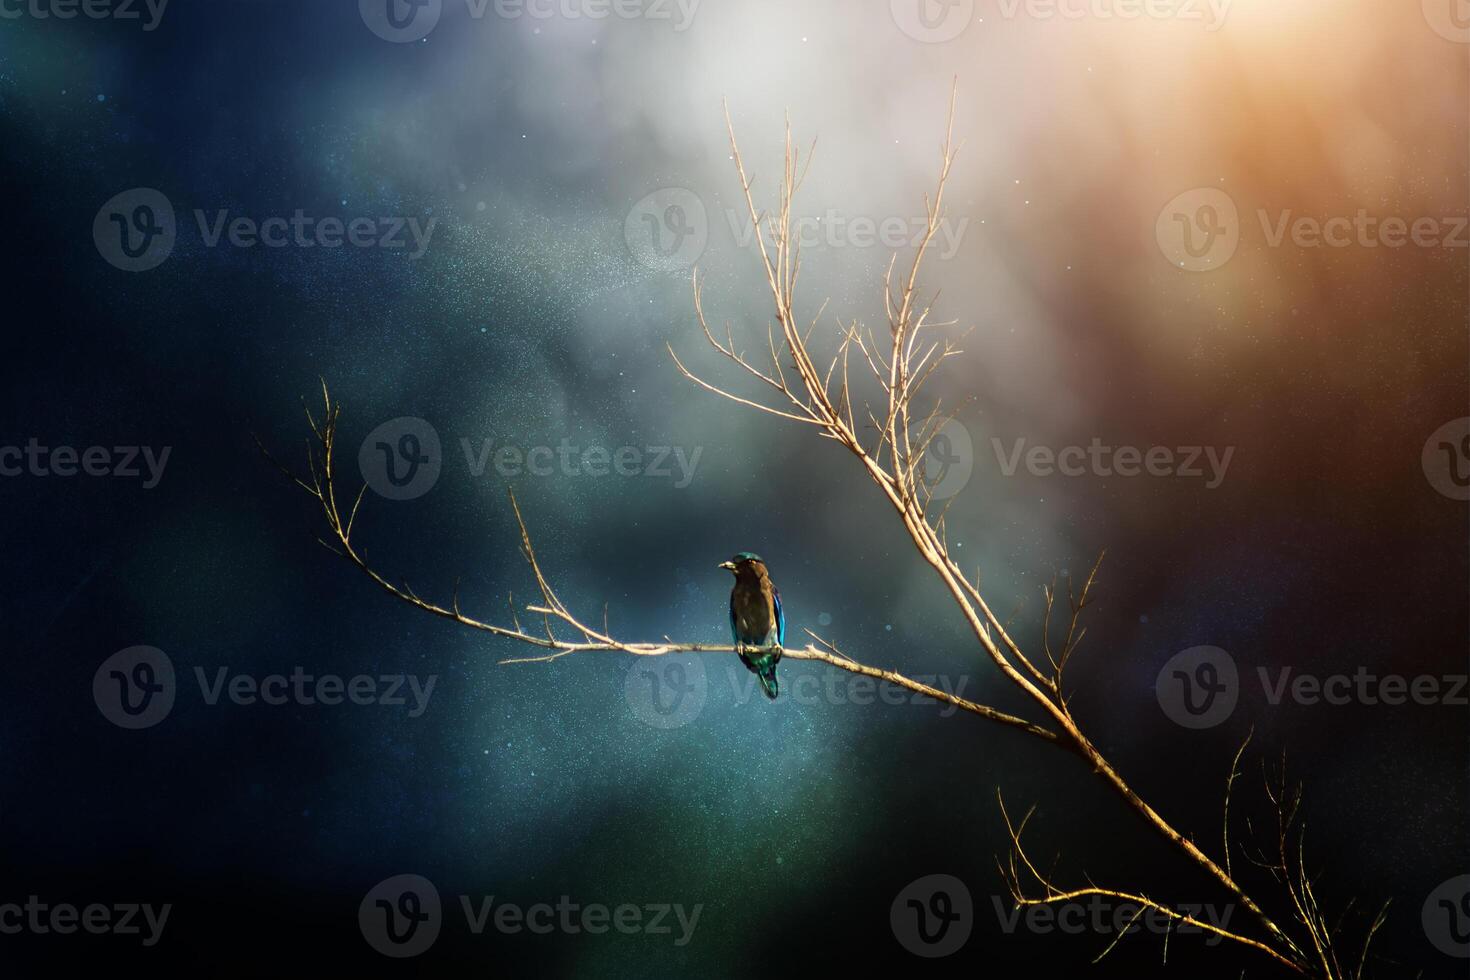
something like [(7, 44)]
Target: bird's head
[(745, 565)]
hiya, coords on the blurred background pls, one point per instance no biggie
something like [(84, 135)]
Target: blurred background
[(1130, 257)]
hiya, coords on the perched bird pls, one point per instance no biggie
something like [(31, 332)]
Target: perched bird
[(756, 619)]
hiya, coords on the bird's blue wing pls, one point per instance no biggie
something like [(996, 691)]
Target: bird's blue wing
[(780, 618), (734, 631)]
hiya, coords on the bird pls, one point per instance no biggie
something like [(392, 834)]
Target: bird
[(756, 619)]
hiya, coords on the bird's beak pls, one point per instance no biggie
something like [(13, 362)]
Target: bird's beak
[(727, 565)]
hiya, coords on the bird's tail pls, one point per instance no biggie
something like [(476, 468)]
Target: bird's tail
[(766, 673)]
